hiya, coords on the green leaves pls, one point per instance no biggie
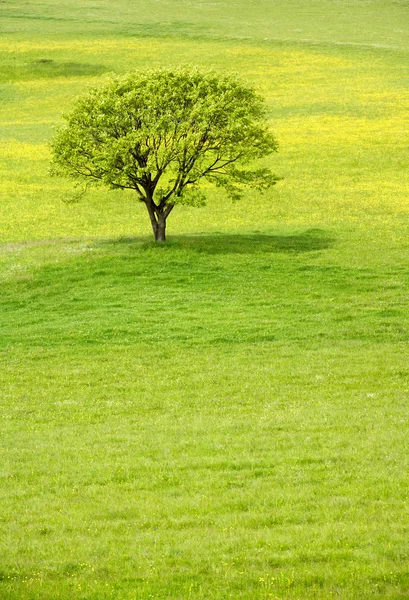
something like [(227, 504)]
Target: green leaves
[(164, 133)]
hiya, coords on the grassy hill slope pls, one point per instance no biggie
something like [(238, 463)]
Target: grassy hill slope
[(225, 416)]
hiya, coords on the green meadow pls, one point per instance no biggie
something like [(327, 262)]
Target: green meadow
[(225, 415)]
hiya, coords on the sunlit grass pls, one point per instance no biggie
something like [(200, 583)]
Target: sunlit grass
[(249, 441), (343, 141)]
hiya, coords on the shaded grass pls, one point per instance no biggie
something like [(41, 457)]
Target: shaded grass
[(48, 68), (224, 291), (252, 243)]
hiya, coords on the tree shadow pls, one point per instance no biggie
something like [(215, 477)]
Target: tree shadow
[(310, 240)]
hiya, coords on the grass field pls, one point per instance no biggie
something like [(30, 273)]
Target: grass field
[(225, 416)]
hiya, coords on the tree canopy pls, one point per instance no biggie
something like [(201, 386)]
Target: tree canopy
[(163, 133)]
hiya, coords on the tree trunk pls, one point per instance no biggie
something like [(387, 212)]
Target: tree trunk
[(158, 223), (160, 231), (158, 218)]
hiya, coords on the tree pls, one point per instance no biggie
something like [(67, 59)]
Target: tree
[(165, 133)]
